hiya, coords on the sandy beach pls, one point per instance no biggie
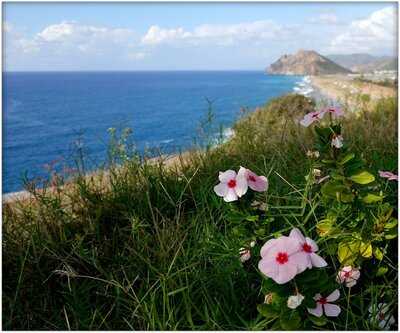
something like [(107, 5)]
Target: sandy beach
[(346, 90)]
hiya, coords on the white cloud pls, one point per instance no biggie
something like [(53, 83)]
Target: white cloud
[(222, 34), (156, 35), (72, 41), (376, 33)]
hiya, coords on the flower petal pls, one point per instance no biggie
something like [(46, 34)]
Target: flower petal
[(241, 186), (267, 247), (296, 234), (317, 261), (221, 189), (230, 195), (331, 310), (260, 185), (302, 260), (242, 172), (268, 267), (226, 176), (351, 283), (317, 311), (333, 296), (314, 246), (288, 244), (286, 273)]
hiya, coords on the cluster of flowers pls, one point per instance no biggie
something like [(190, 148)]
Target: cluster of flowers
[(234, 185), (285, 257), (309, 118)]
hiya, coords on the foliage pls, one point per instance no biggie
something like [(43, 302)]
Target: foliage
[(144, 246)]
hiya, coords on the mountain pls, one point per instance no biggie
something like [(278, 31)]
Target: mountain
[(305, 63), (363, 62)]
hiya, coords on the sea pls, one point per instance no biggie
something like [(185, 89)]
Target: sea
[(47, 115)]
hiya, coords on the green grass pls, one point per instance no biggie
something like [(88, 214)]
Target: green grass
[(153, 248)]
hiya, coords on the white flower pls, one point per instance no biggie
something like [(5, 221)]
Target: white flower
[(252, 243), (294, 301), (244, 254), (378, 314), (231, 186), (337, 141)]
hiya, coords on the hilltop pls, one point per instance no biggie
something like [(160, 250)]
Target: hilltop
[(305, 62), (363, 62)]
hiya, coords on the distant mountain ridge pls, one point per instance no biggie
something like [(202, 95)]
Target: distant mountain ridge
[(305, 62), (363, 62)]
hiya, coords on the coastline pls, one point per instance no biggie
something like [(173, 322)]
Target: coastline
[(329, 88)]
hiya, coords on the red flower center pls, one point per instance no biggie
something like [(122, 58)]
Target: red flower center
[(232, 183), (347, 274), (282, 258), (252, 178), (315, 115), (322, 300), (381, 316), (307, 248), (331, 110)]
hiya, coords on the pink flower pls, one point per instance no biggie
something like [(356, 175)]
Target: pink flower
[(388, 175), (309, 118), (256, 183), (324, 305), (334, 111), (348, 275), (278, 261), (337, 141), (306, 249), (231, 186)]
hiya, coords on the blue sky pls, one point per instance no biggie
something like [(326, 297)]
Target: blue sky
[(153, 36)]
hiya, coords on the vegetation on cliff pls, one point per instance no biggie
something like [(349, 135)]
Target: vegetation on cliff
[(149, 247)]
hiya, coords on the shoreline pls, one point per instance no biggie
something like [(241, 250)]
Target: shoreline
[(323, 88)]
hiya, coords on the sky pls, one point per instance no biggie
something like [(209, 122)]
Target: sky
[(188, 36)]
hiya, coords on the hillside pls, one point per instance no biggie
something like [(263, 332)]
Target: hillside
[(305, 63), (363, 62), (154, 248)]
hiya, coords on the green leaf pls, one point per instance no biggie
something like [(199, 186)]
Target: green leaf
[(326, 228), (381, 271), (391, 223), (319, 321), (378, 254), (267, 311), (346, 197), (348, 251), (364, 177), (328, 162), (290, 320), (252, 218), (332, 189), (371, 198), (391, 233), (347, 158), (366, 250)]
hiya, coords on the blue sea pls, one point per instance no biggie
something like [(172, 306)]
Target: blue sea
[(45, 113)]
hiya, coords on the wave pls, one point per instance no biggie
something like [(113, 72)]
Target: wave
[(167, 141), (304, 87)]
